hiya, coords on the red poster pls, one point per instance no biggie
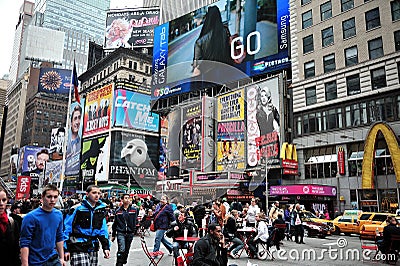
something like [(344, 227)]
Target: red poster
[(23, 187), (341, 162)]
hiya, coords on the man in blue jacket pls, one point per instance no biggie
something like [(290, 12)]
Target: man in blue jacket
[(45, 222), (84, 227), (124, 227)]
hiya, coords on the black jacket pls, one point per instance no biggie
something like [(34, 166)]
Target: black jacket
[(9, 245), (230, 228), (207, 252), (125, 220), (388, 231), (171, 232)]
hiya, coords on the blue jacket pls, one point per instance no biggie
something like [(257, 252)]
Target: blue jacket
[(165, 218), (85, 226), (125, 221)]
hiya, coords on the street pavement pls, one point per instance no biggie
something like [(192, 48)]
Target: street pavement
[(333, 250)]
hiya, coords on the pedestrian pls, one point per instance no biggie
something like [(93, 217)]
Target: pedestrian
[(9, 235), (210, 250), (124, 228), (84, 227), (163, 217), (298, 225), (288, 217), (273, 212), (230, 233), (262, 234), (41, 239), (251, 213)]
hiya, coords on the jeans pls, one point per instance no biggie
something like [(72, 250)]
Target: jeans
[(53, 261), (237, 245), (160, 238), (176, 246), (124, 244)]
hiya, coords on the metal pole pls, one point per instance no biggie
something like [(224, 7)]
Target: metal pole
[(266, 185)]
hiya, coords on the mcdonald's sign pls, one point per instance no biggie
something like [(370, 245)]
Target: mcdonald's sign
[(340, 157), (369, 153), (289, 160)]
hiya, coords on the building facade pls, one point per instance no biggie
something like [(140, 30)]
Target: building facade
[(346, 69)]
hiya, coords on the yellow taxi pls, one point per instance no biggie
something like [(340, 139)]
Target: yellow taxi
[(347, 223), (374, 229)]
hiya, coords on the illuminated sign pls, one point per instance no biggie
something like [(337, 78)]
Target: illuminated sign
[(314, 190), (369, 153), (252, 46), (341, 161), (288, 156)]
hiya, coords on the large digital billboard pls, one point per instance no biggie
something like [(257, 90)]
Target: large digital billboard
[(191, 136), (97, 111), (231, 131), (132, 110), (263, 105), (134, 157), (220, 43), (131, 28), (54, 80)]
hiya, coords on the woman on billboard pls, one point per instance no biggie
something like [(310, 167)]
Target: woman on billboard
[(212, 44)]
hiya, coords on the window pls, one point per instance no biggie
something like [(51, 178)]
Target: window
[(397, 40), (330, 90), (356, 114), (347, 4), (308, 44), (309, 69), (334, 118), (353, 84), (320, 162), (375, 48), (303, 2), (130, 64), (327, 36), (349, 28), (307, 19), (351, 55), (326, 10), (355, 158), (135, 65), (329, 63), (311, 95), (378, 78), (372, 19), (395, 8)]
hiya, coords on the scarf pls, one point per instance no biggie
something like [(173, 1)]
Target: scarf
[(3, 222)]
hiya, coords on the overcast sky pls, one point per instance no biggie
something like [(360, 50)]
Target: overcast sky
[(9, 10)]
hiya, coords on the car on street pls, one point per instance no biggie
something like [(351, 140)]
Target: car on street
[(346, 224), (371, 218), (372, 230)]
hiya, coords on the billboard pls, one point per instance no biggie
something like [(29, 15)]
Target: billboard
[(132, 110), (54, 80), (94, 161), (131, 28), (53, 173), (231, 43), (32, 162), (173, 142), (57, 139), (191, 136), (97, 111), (231, 131), (134, 157), (263, 105), (72, 163), (23, 187)]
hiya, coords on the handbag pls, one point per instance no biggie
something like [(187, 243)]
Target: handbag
[(152, 228), (298, 221)]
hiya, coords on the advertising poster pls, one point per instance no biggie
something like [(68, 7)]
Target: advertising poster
[(72, 163), (23, 187), (97, 111), (231, 131), (57, 140), (174, 143), (94, 161), (52, 174), (32, 162), (131, 28), (135, 158), (253, 39), (132, 110), (263, 123), (54, 80), (191, 136)]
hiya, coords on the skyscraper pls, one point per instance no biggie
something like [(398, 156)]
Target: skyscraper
[(81, 20)]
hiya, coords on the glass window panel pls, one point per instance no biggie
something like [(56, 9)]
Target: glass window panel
[(306, 126), (312, 124), (329, 63), (395, 9), (375, 48), (303, 2), (349, 28), (348, 116), (307, 19), (330, 90), (339, 118), (378, 78), (389, 109), (347, 4), (319, 122), (353, 84), (309, 69), (351, 56), (397, 40), (327, 36), (363, 117), (372, 19), (308, 44), (326, 10), (311, 96)]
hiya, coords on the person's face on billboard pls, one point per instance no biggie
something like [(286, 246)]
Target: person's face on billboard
[(76, 122), (60, 137), (265, 97), (41, 160)]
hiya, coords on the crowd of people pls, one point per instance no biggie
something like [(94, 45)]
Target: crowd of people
[(52, 232)]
